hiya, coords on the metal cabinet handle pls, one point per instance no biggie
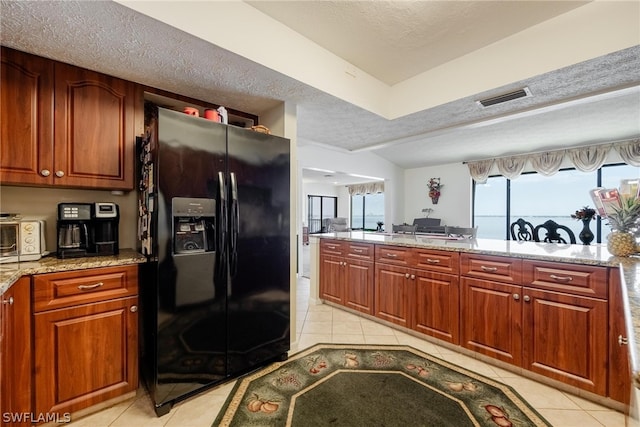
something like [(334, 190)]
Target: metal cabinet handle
[(133, 308), (623, 340), (527, 298), (433, 261), (391, 255), (59, 174), (45, 172), (406, 275), (331, 247), (413, 277), (561, 278), (516, 297), (358, 250), (8, 301), (86, 287), (485, 268)]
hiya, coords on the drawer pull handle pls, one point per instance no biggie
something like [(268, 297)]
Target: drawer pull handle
[(87, 287), (358, 250), (392, 255), (433, 261), (8, 301), (331, 247), (623, 340), (561, 278), (491, 269)]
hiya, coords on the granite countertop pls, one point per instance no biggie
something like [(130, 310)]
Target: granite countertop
[(575, 254), (10, 273)]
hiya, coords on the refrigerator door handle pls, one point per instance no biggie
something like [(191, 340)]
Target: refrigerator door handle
[(235, 225), (221, 243)]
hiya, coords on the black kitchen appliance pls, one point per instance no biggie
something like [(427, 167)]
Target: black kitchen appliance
[(87, 229), (74, 220), (214, 223), (105, 219)]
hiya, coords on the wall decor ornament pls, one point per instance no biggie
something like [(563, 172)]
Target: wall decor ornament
[(434, 189)]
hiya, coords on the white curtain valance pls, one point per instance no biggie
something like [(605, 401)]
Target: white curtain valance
[(630, 152), (547, 163), (588, 159), (480, 170), (511, 167), (366, 188), (585, 159)]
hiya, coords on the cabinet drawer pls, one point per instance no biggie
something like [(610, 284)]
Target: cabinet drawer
[(69, 288), (331, 247), (395, 255), (502, 269), (569, 278), (360, 251), (440, 261)]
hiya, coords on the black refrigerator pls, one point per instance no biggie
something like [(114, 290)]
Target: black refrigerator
[(213, 204)]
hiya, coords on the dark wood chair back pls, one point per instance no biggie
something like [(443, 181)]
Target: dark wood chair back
[(552, 233), (521, 230)]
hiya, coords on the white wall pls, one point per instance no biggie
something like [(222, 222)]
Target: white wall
[(454, 206)]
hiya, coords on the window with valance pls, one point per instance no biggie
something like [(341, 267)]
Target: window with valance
[(584, 159)]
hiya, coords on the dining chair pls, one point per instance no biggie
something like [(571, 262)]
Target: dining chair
[(468, 232), (524, 230), (552, 234)]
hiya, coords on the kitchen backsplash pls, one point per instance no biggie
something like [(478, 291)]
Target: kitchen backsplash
[(42, 203)]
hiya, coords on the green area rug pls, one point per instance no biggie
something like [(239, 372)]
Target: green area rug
[(372, 385)]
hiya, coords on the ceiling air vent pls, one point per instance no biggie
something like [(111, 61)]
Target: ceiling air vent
[(520, 93)]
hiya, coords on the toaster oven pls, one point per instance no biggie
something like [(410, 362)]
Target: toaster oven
[(22, 240)]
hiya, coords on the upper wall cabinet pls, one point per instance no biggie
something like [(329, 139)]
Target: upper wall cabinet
[(65, 126)]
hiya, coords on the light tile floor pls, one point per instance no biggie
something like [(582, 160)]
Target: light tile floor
[(326, 324)]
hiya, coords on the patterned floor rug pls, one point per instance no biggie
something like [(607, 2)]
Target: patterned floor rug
[(372, 385)]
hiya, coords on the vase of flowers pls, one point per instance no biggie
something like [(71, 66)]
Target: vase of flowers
[(434, 190), (586, 215)]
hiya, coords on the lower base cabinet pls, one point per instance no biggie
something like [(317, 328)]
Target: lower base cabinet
[(15, 355), (436, 306), (85, 338)]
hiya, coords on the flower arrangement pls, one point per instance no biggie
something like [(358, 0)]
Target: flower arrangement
[(586, 213), (434, 187)]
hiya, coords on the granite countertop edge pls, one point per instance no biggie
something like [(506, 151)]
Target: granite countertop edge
[(11, 272)]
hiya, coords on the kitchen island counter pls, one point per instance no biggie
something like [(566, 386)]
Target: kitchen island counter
[(596, 255), (10, 273)]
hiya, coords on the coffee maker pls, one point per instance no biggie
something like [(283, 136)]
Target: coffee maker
[(87, 229), (74, 221), (103, 235)]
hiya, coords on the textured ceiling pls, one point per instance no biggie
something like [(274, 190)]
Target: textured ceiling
[(567, 108)]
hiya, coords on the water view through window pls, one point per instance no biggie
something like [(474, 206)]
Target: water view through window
[(366, 211), (537, 198)]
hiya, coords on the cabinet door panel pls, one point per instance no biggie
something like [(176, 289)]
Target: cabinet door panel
[(331, 279), (491, 319), (565, 338), (15, 387), (85, 355), (619, 367), (358, 293), (26, 109), (95, 129), (392, 294), (437, 306)]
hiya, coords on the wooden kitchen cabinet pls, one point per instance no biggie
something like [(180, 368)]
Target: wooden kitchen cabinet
[(491, 319), (538, 317), (346, 274), (436, 309), (86, 337), (26, 118), (65, 126), (620, 384), (15, 354)]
